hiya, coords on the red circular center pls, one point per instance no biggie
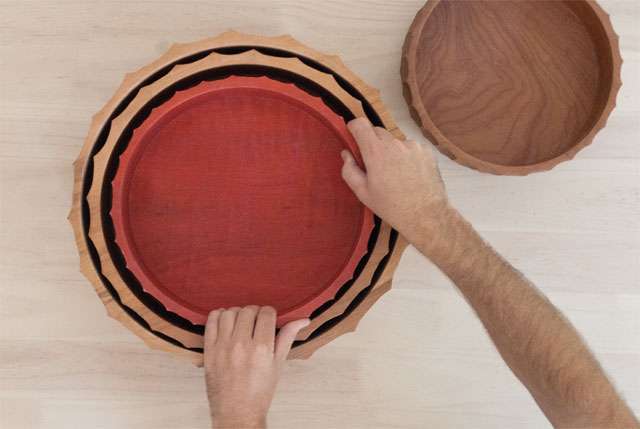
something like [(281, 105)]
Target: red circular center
[(233, 196)]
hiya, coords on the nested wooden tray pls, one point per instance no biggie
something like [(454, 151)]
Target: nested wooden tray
[(119, 126), (511, 87), (229, 194), (229, 41)]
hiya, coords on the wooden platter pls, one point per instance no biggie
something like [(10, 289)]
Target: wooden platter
[(229, 194), (511, 87), (227, 42)]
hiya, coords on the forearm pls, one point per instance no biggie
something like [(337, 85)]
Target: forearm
[(402, 185), (237, 422), (539, 345)]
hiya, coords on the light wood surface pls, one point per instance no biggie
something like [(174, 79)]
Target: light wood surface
[(418, 359)]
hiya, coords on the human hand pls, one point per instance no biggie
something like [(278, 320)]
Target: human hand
[(243, 361), (402, 183)]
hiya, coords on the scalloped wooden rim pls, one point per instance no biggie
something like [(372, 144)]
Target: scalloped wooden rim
[(348, 324), (118, 124), (445, 146), (130, 83), (314, 103), (364, 279)]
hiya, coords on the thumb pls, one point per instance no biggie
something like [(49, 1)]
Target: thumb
[(353, 174), (286, 336)]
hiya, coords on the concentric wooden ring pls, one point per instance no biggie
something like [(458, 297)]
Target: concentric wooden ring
[(132, 83), (150, 227), (119, 124)]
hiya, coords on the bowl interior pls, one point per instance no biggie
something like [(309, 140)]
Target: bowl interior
[(232, 195), (513, 83)]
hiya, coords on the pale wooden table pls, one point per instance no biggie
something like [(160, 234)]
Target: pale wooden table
[(420, 358)]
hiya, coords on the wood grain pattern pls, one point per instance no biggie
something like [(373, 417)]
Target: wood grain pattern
[(511, 87), (185, 337), (419, 358)]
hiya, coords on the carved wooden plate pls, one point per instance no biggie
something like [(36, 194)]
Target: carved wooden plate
[(511, 87), (230, 194)]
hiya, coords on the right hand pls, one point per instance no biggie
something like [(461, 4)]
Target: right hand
[(402, 184), (243, 361)]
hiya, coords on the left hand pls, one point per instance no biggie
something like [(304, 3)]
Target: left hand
[(243, 361)]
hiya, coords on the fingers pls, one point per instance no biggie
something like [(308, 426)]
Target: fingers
[(265, 330), (211, 330), (430, 155), (432, 162), (414, 145), (226, 323), (285, 338), (353, 175), (245, 322), (383, 134), (365, 136)]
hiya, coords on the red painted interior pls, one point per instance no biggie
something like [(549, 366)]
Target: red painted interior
[(230, 194)]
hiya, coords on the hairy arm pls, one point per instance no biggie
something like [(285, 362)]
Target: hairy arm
[(539, 345), (402, 185)]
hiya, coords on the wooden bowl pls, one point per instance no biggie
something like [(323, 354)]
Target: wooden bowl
[(331, 322), (230, 194), (511, 87)]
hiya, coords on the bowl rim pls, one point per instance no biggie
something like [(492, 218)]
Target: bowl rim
[(139, 141)]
